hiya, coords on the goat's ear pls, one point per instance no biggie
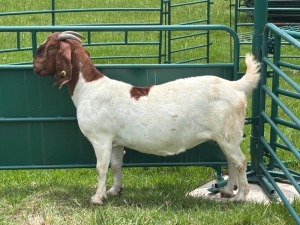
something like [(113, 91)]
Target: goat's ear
[(63, 64)]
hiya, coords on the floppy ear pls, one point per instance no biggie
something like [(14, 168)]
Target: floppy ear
[(63, 64)]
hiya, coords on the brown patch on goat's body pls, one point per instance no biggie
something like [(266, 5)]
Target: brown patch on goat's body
[(137, 92)]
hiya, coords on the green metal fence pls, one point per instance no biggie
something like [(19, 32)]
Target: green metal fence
[(283, 13), (279, 116), (160, 47), (275, 109)]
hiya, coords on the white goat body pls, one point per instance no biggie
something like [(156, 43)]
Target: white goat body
[(162, 119), (173, 117)]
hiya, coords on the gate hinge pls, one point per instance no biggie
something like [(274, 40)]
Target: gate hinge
[(251, 120)]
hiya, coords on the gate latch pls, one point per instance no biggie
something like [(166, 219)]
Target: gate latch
[(271, 45)]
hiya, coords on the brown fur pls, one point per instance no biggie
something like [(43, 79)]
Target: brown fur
[(65, 60), (137, 92)]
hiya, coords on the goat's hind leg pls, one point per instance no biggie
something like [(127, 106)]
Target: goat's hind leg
[(116, 166), (241, 168), (235, 157), (231, 185)]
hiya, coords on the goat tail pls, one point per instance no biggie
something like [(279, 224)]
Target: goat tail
[(252, 76)]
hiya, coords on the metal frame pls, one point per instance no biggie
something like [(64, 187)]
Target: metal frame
[(267, 147), (264, 143)]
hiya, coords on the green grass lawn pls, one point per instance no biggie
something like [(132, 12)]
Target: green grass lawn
[(151, 195)]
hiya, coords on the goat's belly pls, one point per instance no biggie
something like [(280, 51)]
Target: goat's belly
[(160, 145)]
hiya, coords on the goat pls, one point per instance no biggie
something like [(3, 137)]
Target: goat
[(161, 119)]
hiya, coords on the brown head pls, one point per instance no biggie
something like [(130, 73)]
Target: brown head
[(63, 56)]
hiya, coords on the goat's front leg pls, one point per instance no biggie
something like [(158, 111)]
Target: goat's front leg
[(103, 154), (116, 166)]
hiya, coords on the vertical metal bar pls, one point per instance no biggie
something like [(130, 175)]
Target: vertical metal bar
[(89, 38), (230, 19), (274, 106), (126, 37), (161, 17), (34, 42), (208, 32), (169, 34), (53, 12), (18, 40), (236, 6), (260, 20), (257, 156)]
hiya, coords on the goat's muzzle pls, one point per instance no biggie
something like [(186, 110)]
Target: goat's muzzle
[(39, 68)]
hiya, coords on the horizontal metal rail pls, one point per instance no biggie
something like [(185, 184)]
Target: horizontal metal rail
[(188, 3), (282, 74), (287, 142), (127, 66), (34, 30), (36, 119), (285, 35), (72, 166), (188, 35), (280, 193), (281, 165), (79, 10), (282, 105)]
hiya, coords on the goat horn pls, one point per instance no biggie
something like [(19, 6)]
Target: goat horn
[(74, 33), (64, 36)]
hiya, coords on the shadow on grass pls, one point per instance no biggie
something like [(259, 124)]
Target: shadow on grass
[(78, 196)]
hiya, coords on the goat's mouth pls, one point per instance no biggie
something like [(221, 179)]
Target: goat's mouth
[(39, 68), (40, 71), (37, 71)]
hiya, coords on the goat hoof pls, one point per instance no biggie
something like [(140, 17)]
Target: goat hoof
[(114, 191), (226, 195), (98, 200), (238, 198)]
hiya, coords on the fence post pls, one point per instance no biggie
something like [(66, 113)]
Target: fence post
[(53, 12), (260, 20)]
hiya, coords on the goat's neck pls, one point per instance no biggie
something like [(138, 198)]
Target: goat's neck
[(83, 66)]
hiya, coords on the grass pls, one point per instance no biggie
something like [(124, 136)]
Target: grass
[(156, 197), (151, 195)]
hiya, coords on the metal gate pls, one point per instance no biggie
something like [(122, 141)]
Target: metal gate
[(279, 121), (275, 153)]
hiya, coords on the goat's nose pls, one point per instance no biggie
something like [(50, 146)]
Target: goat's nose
[(34, 67)]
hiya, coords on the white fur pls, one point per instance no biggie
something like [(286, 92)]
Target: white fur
[(174, 117)]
